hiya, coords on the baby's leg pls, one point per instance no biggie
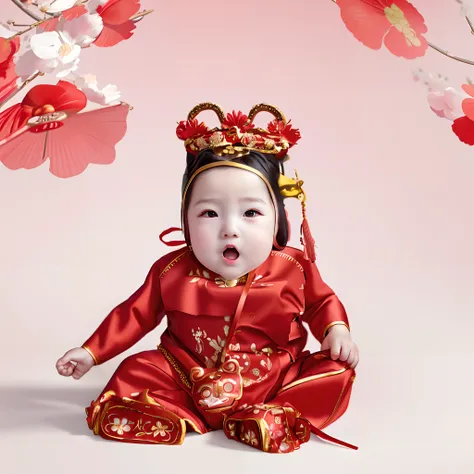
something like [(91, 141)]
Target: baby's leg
[(314, 393), (144, 402)]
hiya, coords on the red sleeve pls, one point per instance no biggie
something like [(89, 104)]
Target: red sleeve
[(130, 321), (322, 307)]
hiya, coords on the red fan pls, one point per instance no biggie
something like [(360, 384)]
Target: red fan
[(47, 125)]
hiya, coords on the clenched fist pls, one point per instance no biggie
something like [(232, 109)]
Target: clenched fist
[(341, 346), (75, 362)]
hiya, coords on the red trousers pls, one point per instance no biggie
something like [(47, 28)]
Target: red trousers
[(148, 401)]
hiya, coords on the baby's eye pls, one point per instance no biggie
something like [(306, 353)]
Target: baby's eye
[(252, 213), (208, 214)]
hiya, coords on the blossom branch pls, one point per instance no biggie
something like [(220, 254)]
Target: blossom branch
[(471, 25), (140, 15), (464, 13), (26, 10), (30, 27), (449, 55), (19, 89)]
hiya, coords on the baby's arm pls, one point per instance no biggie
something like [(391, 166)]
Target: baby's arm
[(123, 327), (327, 318)]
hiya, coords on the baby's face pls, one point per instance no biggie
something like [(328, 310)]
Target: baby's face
[(231, 221)]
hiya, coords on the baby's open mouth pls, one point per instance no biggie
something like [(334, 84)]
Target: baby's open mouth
[(230, 253)]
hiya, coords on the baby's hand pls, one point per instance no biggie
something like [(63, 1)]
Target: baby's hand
[(75, 362), (339, 341)]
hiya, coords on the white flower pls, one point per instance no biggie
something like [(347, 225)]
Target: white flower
[(5, 32), (83, 30), (446, 103), (56, 6), (466, 9), (120, 426), (55, 45), (434, 82), (92, 5), (29, 64), (88, 84), (52, 52)]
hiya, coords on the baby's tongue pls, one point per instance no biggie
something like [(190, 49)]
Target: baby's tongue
[(231, 254)]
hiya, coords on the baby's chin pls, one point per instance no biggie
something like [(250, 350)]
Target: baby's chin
[(232, 272)]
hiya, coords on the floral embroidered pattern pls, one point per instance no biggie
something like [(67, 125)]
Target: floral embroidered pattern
[(142, 428), (199, 334), (198, 275), (120, 426), (160, 429), (257, 366), (217, 343), (249, 437), (257, 283), (280, 429), (220, 282)]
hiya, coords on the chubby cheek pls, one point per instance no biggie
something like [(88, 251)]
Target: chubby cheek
[(262, 235), (261, 248), (201, 234)]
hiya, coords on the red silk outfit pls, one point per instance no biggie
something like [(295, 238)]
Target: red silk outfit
[(231, 357)]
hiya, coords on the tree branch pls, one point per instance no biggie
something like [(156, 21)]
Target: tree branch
[(139, 16), (26, 10), (449, 55), (20, 88)]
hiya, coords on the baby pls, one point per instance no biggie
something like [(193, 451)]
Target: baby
[(236, 297)]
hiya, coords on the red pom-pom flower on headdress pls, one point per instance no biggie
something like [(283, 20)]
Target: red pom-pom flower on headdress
[(237, 134)]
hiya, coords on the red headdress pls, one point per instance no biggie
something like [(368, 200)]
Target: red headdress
[(237, 134), (236, 137)]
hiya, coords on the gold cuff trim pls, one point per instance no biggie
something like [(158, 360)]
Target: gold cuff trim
[(335, 323), (96, 361), (310, 378)]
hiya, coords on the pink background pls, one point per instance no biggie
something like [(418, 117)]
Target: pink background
[(390, 206)]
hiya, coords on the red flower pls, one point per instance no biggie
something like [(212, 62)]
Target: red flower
[(290, 134), (8, 81), (47, 124), (8, 85), (468, 104), (191, 129), (463, 127), (69, 14), (237, 119), (397, 23), (117, 24), (8, 49)]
